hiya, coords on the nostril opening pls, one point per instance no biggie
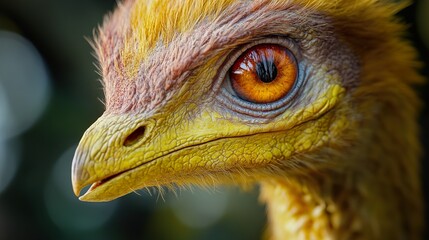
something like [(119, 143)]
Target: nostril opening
[(135, 136)]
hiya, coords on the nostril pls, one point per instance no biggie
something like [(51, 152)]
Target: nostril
[(135, 136)]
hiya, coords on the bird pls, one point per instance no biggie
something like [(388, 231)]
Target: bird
[(313, 101)]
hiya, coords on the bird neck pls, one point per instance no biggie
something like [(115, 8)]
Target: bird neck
[(360, 209), (377, 198)]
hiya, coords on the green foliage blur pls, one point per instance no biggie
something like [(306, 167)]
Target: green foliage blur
[(54, 100)]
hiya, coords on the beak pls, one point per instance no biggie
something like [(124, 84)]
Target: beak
[(97, 159), (80, 177)]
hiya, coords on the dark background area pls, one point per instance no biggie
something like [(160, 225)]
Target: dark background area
[(55, 92)]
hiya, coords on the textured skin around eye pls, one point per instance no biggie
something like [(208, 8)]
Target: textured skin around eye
[(264, 73)]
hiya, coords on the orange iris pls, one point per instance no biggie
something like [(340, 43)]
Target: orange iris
[(264, 73)]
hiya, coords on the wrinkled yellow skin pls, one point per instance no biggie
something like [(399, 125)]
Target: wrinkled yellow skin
[(193, 140), (341, 166)]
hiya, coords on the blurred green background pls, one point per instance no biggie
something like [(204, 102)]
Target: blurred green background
[(48, 97)]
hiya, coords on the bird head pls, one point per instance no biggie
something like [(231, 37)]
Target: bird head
[(228, 91)]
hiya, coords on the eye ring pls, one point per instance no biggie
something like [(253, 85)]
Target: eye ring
[(227, 96)]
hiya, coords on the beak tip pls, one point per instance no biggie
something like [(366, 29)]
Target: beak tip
[(76, 188), (79, 176)]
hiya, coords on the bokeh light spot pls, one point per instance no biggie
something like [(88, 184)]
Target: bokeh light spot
[(65, 210), (9, 159), (200, 208), (24, 84)]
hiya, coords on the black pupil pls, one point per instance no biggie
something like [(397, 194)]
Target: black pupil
[(266, 70)]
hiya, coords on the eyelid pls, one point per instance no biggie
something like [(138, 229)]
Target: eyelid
[(227, 97)]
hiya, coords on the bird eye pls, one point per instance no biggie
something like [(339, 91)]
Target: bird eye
[(262, 78), (264, 73)]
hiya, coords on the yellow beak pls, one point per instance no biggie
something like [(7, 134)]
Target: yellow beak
[(193, 144)]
